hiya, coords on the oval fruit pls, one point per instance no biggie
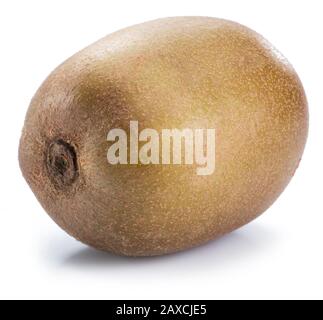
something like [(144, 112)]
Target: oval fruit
[(206, 75)]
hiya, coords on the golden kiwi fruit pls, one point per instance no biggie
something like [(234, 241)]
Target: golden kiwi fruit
[(181, 72)]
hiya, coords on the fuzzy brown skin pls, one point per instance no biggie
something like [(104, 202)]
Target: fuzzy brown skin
[(188, 72)]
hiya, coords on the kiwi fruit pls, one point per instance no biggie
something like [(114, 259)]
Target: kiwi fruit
[(181, 72)]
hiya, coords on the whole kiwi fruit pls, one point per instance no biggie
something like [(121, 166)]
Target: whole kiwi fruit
[(181, 72)]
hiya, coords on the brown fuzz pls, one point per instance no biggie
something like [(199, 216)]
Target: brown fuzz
[(183, 72)]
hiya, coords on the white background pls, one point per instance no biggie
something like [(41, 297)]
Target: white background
[(280, 255)]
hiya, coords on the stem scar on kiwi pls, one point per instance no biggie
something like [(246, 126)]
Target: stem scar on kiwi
[(61, 162)]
